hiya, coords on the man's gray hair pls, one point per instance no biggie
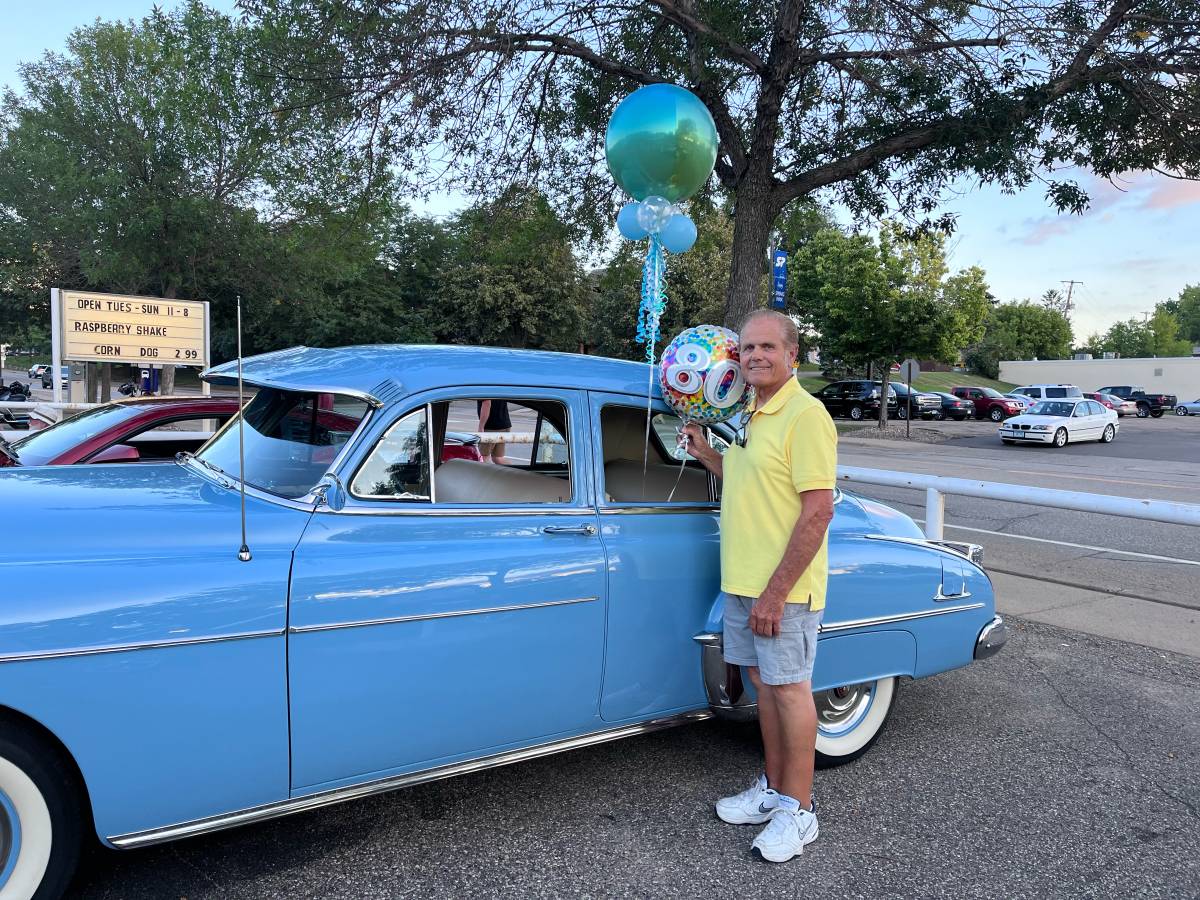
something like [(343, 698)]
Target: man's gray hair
[(791, 334)]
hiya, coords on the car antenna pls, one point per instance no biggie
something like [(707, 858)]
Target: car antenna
[(244, 550)]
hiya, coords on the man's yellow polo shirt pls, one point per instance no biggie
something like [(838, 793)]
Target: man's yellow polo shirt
[(791, 447)]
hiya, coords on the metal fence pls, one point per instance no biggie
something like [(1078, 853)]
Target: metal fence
[(936, 487)]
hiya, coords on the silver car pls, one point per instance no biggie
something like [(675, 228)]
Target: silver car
[(1188, 409)]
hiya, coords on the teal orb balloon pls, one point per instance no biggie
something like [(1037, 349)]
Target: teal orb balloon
[(661, 140)]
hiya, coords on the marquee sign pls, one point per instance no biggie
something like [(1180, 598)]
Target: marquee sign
[(138, 330)]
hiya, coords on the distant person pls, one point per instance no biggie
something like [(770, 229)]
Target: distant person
[(493, 417)]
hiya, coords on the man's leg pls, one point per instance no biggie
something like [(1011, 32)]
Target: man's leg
[(796, 719), (769, 725)]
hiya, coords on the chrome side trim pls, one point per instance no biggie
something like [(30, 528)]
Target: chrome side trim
[(961, 595), (972, 552), (340, 795), (147, 645), (659, 509), (351, 510), (304, 629), (897, 617)]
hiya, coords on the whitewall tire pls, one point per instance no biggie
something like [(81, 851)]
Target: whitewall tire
[(40, 820), (851, 718)]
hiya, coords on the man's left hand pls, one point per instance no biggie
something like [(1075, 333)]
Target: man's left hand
[(767, 613)]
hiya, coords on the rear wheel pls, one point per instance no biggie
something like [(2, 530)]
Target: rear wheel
[(1109, 433), (851, 718), (1060, 438), (856, 412), (1143, 410), (902, 413), (40, 820), (997, 414)]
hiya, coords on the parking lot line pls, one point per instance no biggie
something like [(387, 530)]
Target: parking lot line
[(1058, 474), (1026, 537)]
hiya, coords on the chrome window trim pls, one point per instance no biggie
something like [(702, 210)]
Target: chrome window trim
[(144, 645), (849, 624), (226, 380), (556, 510), (353, 792), (423, 617), (657, 509), (428, 411)]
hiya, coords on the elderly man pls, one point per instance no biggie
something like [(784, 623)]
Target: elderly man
[(776, 505)]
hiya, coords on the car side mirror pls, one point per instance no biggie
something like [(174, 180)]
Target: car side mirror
[(117, 453)]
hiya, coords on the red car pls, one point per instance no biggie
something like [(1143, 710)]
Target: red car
[(1102, 399), (149, 429), (988, 402)]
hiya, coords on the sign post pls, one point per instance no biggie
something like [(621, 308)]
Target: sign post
[(779, 279), (141, 331), (910, 369)]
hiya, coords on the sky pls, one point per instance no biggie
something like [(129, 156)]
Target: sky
[(1134, 247)]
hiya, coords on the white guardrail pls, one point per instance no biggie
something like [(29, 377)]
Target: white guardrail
[(937, 486)]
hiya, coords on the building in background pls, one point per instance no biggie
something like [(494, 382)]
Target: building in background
[(1179, 375)]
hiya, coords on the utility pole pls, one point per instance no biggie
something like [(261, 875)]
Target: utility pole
[(1070, 288)]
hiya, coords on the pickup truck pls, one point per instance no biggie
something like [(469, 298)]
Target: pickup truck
[(1147, 404)]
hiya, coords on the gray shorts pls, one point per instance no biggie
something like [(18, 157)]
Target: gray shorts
[(786, 658)]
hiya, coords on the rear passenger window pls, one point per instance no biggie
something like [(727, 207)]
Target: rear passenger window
[(635, 473), (1057, 393), (485, 450)]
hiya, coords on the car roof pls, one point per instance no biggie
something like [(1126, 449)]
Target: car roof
[(380, 373)]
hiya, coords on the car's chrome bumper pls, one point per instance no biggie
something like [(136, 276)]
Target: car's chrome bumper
[(992, 639), (727, 696)]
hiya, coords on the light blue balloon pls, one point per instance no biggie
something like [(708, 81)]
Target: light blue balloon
[(653, 213), (627, 223), (678, 234)]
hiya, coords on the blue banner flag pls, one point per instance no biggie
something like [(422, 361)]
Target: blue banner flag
[(779, 279)]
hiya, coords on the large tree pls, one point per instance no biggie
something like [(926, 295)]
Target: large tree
[(1021, 330), (155, 158), (879, 105), (882, 300)]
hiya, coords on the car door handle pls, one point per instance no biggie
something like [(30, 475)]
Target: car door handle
[(588, 530)]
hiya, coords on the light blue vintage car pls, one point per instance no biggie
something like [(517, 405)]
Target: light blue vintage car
[(399, 621)]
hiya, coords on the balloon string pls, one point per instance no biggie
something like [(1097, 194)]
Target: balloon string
[(654, 301), (687, 438)]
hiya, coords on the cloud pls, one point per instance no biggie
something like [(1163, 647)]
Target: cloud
[(1172, 193)]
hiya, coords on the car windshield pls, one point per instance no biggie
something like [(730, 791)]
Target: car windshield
[(993, 393), (1052, 408), (41, 447), (291, 438)]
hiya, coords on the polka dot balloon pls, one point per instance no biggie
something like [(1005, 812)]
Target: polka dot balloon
[(700, 375)]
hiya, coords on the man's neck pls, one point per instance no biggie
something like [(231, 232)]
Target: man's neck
[(763, 394)]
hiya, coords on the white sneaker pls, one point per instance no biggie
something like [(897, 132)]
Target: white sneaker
[(788, 832), (752, 806)]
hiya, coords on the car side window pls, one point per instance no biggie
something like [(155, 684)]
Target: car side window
[(398, 467), (634, 473), (484, 451)]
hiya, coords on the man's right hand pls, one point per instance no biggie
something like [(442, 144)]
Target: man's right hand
[(697, 443)]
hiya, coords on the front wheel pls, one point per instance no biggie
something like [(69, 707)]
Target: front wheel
[(851, 718), (40, 821), (997, 414), (1108, 435), (1060, 438), (902, 413), (1181, 411), (940, 415), (1143, 411), (856, 413)]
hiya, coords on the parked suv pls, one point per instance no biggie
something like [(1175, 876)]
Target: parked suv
[(988, 402), (1039, 392), (38, 369), (855, 399), (1147, 404)]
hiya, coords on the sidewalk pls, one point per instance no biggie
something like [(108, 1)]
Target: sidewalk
[(1109, 615)]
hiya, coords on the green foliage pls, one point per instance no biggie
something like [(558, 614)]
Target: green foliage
[(1022, 330), (1134, 339), (1187, 313), (887, 299)]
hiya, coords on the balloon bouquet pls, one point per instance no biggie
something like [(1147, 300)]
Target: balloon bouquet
[(661, 146)]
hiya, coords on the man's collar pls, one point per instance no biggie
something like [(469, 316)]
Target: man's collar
[(786, 391)]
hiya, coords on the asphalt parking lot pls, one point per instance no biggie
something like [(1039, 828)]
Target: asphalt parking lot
[(1068, 766)]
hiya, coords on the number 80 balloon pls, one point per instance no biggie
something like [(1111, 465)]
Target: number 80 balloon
[(700, 375)]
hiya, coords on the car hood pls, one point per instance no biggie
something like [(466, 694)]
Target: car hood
[(129, 510), (872, 517), (1036, 420)]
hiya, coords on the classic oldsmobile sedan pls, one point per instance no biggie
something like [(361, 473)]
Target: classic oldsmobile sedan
[(395, 621)]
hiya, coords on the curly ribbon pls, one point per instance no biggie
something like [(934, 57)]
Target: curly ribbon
[(654, 301), (684, 441)]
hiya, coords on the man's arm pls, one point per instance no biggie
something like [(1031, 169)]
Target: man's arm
[(699, 448), (484, 411), (815, 515)]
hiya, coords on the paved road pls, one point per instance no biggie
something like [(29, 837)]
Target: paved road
[(1066, 767), (1170, 438)]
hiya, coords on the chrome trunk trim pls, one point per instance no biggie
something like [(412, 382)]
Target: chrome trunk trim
[(422, 617), (897, 617), (383, 785)]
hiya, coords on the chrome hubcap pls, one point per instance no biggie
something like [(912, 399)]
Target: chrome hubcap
[(841, 709), (10, 838)]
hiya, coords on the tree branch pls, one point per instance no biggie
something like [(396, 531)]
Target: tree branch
[(684, 19), (810, 59)]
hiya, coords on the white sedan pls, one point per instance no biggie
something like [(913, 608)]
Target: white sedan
[(1060, 422)]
